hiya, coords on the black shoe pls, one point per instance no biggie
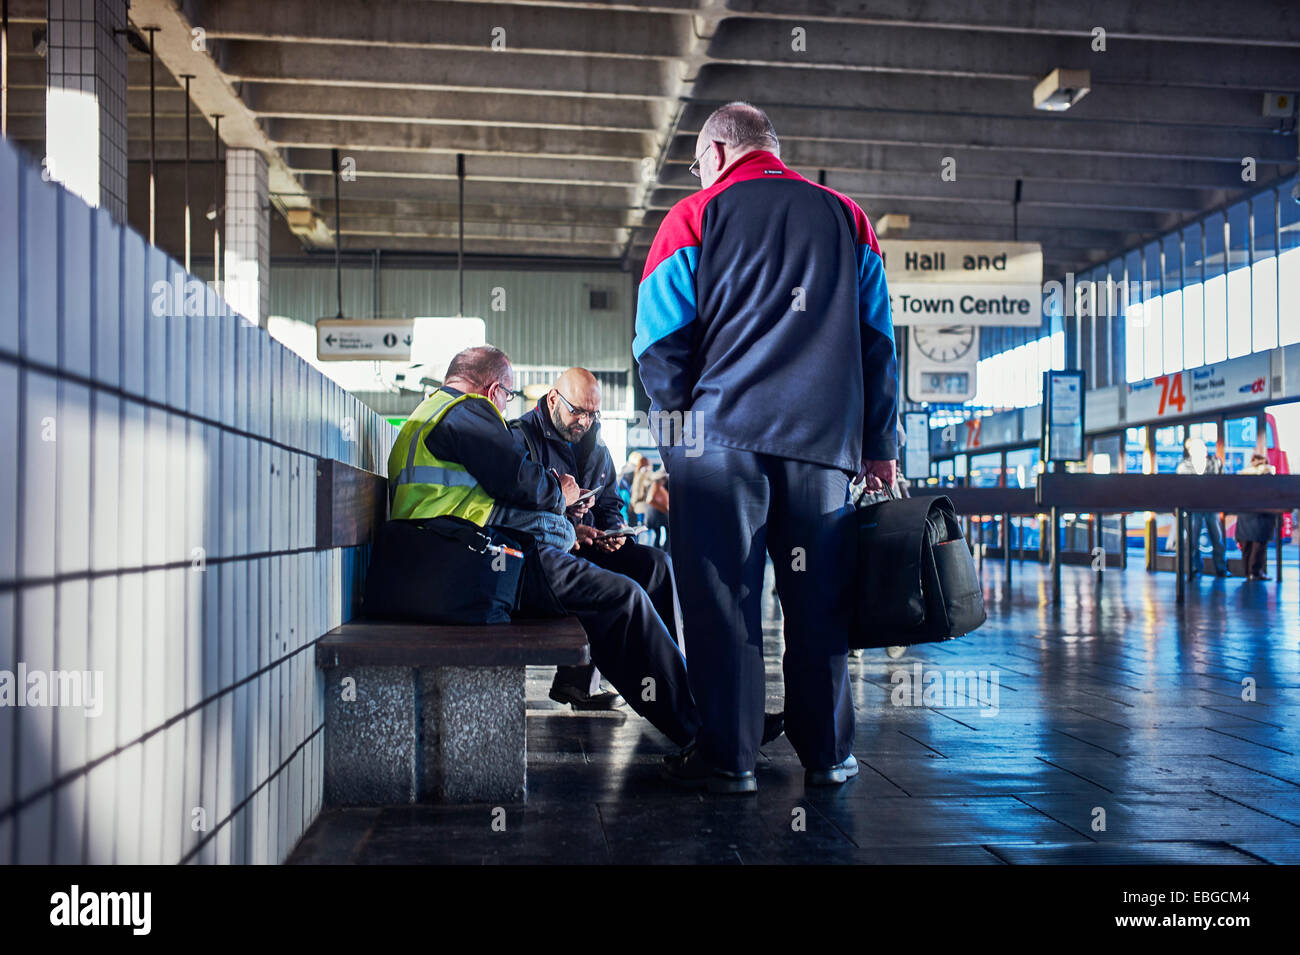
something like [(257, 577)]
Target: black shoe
[(689, 770), (582, 700), (1226, 573), (835, 776), (773, 726)]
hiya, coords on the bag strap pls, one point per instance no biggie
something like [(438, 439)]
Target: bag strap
[(534, 451), (469, 534)]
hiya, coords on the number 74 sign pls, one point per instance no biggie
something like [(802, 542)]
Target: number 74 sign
[(1171, 393), (1156, 397)]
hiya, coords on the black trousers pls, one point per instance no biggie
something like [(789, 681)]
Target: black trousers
[(730, 508), (649, 567), (1254, 554), (629, 642)]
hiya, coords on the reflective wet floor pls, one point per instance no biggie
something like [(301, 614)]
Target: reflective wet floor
[(1116, 728)]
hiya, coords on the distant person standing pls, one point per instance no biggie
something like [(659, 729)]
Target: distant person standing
[(1198, 460), (763, 328), (656, 510), (1255, 530), (642, 485)]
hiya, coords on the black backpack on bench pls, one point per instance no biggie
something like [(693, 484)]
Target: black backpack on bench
[(916, 574)]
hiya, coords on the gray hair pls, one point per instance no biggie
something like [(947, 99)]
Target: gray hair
[(743, 126), (481, 365)]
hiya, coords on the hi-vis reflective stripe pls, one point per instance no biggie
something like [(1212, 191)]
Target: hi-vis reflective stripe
[(430, 474)]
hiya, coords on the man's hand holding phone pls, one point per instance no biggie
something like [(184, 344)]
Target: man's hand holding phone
[(569, 486)]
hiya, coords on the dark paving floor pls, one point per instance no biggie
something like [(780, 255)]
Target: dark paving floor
[(1120, 735)]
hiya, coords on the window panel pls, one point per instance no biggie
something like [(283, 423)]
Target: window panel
[(1263, 275), (1238, 280), (1193, 299), (1152, 314), (1216, 292), (1115, 299), (1171, 304)]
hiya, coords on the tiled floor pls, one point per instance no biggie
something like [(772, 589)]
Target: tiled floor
[(1120, 735)]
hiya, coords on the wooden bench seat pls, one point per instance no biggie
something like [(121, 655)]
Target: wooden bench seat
[(520, 643)]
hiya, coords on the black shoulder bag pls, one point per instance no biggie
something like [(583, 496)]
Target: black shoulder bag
[(917, 575), (444, 570)]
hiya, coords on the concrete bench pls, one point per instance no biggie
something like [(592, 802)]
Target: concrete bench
[(433, 713), (418, 712)]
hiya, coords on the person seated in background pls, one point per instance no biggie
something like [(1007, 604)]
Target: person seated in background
[(456, 456), (562, 433)]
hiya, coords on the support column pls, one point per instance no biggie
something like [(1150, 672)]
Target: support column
[(85, 101), (248, 235)]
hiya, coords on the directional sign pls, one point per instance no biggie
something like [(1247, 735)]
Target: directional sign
[(964, 283), (364, 339)]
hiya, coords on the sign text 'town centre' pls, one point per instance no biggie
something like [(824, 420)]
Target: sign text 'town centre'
[(964, 283)]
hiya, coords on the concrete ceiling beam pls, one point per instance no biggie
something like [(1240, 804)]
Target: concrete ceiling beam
[(416, 24), (212, 93), (1012, 56), (455, 70)]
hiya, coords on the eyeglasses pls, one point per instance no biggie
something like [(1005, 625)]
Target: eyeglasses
[(578, 412), (510, 392), (695, 166)]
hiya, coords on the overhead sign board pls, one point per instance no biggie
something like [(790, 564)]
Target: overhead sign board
[(964, 283), (364, 339), (1233, 382), (1156, 397), (1225, 384)]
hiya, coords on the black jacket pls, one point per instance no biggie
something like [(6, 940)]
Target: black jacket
[(471, 435), (589, 461)]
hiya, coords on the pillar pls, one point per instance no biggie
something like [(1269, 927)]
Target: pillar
[(248, 235), (85, 101)]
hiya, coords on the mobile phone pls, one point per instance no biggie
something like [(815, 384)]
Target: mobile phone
[(588, 495), (620, 532)]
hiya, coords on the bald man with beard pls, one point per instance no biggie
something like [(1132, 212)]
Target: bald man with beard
[(563, 433)]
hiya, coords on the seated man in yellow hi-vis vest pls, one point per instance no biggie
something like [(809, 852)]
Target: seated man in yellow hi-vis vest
[(455, 455)]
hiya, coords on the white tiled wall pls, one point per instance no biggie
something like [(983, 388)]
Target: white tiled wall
[(157, 526)]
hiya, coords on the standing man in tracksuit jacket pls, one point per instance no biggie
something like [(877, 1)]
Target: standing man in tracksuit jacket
[(562, 433), (763, 324)]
